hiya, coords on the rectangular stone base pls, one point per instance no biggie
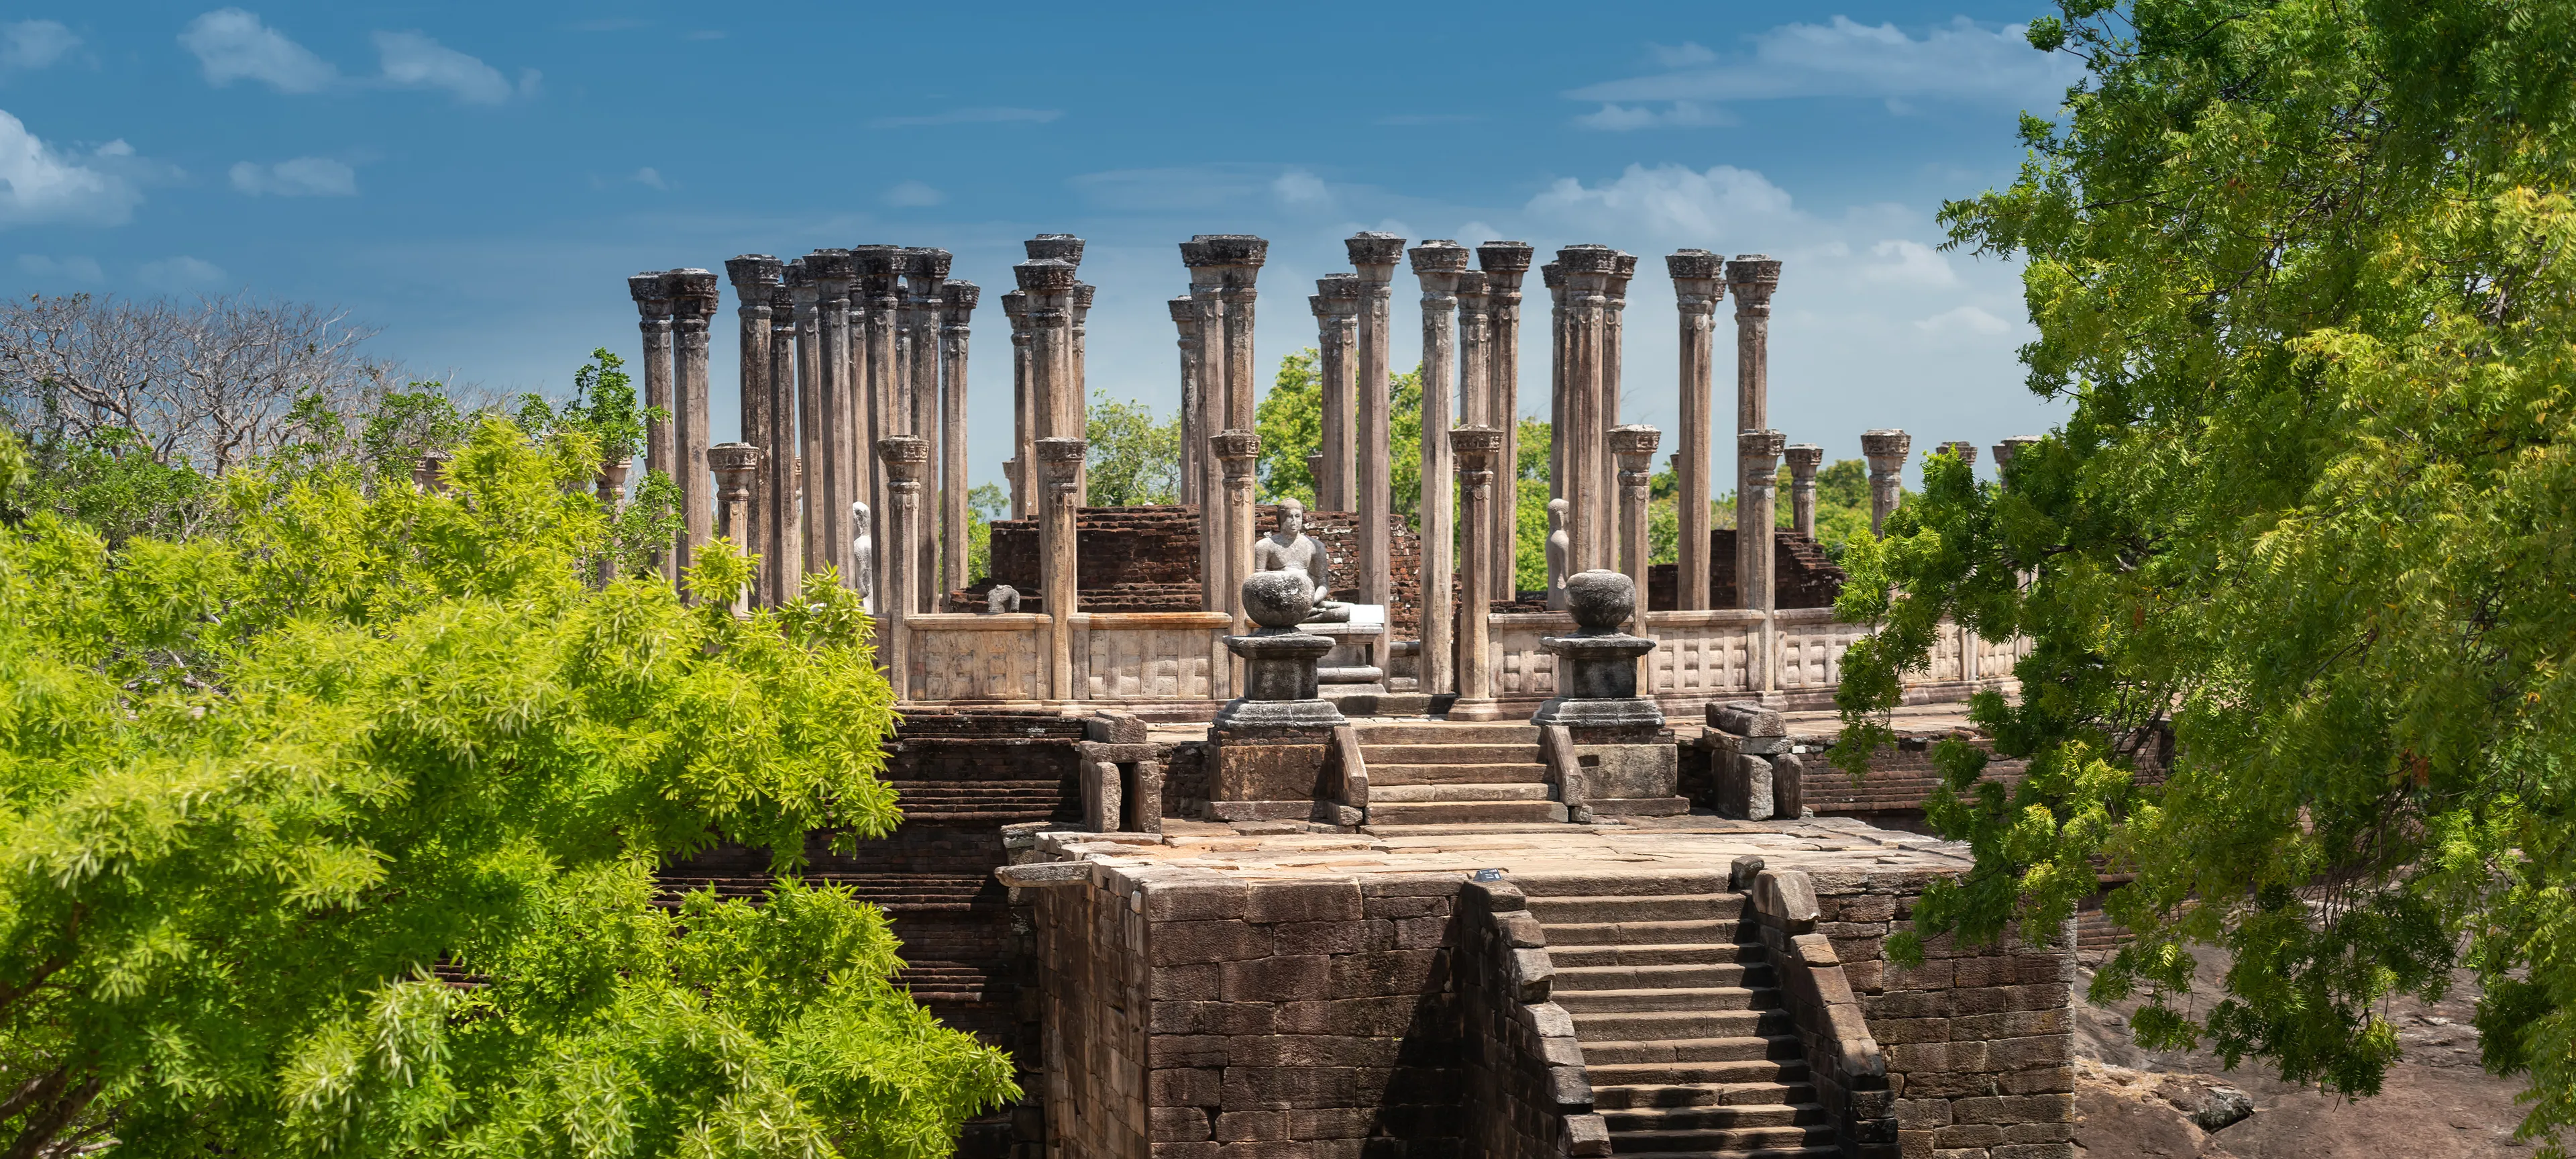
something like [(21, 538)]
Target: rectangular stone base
[(1267, 770), (1638, 806)]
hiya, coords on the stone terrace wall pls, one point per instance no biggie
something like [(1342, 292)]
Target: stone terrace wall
[(1806, 579), (1095, 988), (1979, 1043), (1146, 559)]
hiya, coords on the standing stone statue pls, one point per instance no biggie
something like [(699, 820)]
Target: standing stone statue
[(1003, 600), (1289, 549), (862, 551), (1560, 548)]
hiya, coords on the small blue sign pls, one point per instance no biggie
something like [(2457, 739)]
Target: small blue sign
[(1489, 875)]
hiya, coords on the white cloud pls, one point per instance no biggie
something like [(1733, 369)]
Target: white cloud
[(46, 187), (1916, 264), (413, 60), (1677, 115), (914, 194), (974, 116), (649, 176), (1960, 61), (232, 45), (1669, 202), (1682, 55), (53, 269), (1299, 187), (301, 177), (34, 43), (1964, 319), (180, 273)]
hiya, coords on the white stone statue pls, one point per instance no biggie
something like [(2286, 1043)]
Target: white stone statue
[(1290, 549), (863, 551), (1560, 545)]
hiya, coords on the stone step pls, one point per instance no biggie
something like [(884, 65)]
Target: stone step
[(1394, 794), (1407, 774), (1607, 1096), (1674, 955), (1690, 1074), (1582, 910), (1651, 1027), (1465, 812), (1449, 754), (1640, 933), (1819, 1151), (1681, 1050), (1691, 975), (1656, 884), (1733, 1142), (1678, 998), (1426, 732), (1721, 1118)]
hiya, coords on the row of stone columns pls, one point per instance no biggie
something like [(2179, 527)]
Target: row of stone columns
[(1219, 377)]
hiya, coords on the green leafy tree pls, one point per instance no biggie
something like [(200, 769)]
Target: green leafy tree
[(985, 503), (109, 479), (2302, 270), (1132, 459), (1290, 421), (332, 831), (1529, 512)]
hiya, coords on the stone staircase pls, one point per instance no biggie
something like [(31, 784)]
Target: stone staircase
[(1438, 773), (1688, 1041)]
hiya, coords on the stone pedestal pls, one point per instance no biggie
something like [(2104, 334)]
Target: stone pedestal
[(1269, 745), (906, 459), (1596, 668), (1885, 450), (1698, 283), (1804, 459), (1505, 264), (1059, 469), (1476, 448), (1375, 255)]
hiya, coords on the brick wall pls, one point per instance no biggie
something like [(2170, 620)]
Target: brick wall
[(1146, 559), (1096, 1008), (1799, 569)]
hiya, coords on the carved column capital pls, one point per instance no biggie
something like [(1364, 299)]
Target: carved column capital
[(652, 294), (1962, 450), (1753, 277), (752, 275), (905, 457), (957, 302), (1063, 247), (1237, 450), (2005, 450), (736, 466), (1759, 452), (1885, 450), (1374, 255), (1803, 459), (694, 296)]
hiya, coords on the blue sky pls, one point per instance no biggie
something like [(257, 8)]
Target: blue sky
[(477, 180)]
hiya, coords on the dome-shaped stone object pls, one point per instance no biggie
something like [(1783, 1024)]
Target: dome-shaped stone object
[(1278, 599), (1600, 600)]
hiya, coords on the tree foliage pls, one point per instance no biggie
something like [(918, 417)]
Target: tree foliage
[(1132, 459), (332, 831), (2303, 269)]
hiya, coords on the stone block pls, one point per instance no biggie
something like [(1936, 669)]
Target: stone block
[(1789, 897), (1931, 975), (1296, 1087), (2046, 1050), (1209, 1150), (1231, 1018), (1373, 975), (2014, 1109), (1968, 1135), (1331, 937), (1497, 896), (1520, 931), (1331, 1123), (1377, 906), (1860, 908), (1304, 901), (1354, 1017), (1907, 1031), (1585, 1136), (1533, 976), (2036, 1081), (1178, 1125), (1177, 1051), (1186, 943), (2033, 1151), (1239, 1126), (2039, 1133), (1914, 1144), (1744, 788), (1316, 1050), (1948, 1084), (1815, 950), (1922, 1114), (1267, 771), (1905, 1004), (1281, 978), (1994, 970), (1624, 771), (1788, 785), (2010, 1023), (1421, 933), (1184, 1087), (1569, 1087), (1194, 901), (1200, 983), (1746, 718)]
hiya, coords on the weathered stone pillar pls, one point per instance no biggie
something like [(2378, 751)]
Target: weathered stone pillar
[(1238, 258), (1753, 277), (752, 276), (906, 459), (1885, 450), (652, 294), (1505, 264), (1698, 283), (1375, 254), (1614, 340), (925, 278), (1804, 458), (1237, 452), (782, 519), (1759, 454), (1584, 438), (956, 312), (694, 301), (1022, 474), (1060, 473), (1185, 318), (883, 407), (2005, 450), (1962, 450), (1337, 319), (1048, 282), (1207, 284), (1475, 448), (814, 411), (827, 482), (1552, 276), (1475, 351), (1438, 264), (736, 467), (1634, 449)]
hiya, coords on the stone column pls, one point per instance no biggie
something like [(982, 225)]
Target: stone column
[(1698, 282), (1475, 351), (1552, 276), (956, 310), (1505, 264), (827, 480), (693, 306), (906, 459), (1337, 376), (882, 407), (1753, 277), (1375, 255), (1475, 448), (1962, 450), (1759, 454), (1438, 264), (752, 276), (736, 467), (1236, 452), (782, 519), (1614, 341), (925, 278), (1238, 258), (814, 411), (1584, 440), (2005, 450), (1885, 450), (1060, 473), (1804, 458), (1634, 449), (1024, 419), (1207, 284), (1185, 318), (1048, 282), (652, 294)]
